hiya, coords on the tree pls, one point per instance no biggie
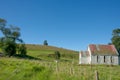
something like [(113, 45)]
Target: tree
[(9, 48), (45, 43), (116, 39), (22, 49), (10, 38), (57, 55)]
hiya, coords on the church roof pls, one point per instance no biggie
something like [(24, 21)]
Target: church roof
[(103, 49)]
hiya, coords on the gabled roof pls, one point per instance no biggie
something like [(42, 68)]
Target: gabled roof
[(84, 53), (103, 49)]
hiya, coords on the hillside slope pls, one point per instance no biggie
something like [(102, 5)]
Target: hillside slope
[(41, 51), (42, 47)]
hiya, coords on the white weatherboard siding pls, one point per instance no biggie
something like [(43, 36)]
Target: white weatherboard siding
[(114, 60), (84, 59), (98, 55), (97, 59)]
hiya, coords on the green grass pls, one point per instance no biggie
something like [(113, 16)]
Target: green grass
[(22, 69), (42, 52), (45, 68), (17, 69)]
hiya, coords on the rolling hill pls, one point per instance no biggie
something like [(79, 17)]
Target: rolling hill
[(42, 52)]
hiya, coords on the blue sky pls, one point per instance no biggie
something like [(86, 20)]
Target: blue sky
[(71, 24)]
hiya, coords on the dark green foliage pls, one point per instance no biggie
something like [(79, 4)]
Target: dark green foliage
[(9, 48), (116, 32), (22, 49), (45, 43), (10, 38), (116, 38), (57, 55), (54, 56)]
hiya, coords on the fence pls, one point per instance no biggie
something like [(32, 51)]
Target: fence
[(81, 72)]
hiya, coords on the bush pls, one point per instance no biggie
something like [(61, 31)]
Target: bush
[(22, 49), (9, 48), (57, 55)]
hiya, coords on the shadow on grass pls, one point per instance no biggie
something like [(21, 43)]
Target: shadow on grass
[(26, 57)]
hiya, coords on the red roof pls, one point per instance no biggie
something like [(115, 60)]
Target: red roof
[(103, 49)]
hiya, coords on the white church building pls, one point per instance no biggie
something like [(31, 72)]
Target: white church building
[(99, 54)]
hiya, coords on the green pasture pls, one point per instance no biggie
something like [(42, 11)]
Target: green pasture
[(25, 69), (38, 66)]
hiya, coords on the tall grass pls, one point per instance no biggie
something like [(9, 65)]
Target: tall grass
[(21, 69)]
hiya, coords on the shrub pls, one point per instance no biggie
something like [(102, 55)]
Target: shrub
[(57, 55), (22, 49)]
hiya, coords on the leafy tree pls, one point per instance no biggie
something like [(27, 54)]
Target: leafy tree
[(116, 38), (57, 55), (22, 49), (9, 48), (45, 43), (10, 38)]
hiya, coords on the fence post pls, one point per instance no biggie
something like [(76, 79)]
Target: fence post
[(71, 71), (96, 75), (57, 66)]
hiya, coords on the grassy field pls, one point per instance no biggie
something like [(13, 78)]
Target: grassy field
[(42, 52), (45, 68)]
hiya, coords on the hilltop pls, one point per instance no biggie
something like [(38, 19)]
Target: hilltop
[(43, 47)]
